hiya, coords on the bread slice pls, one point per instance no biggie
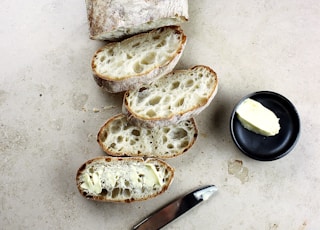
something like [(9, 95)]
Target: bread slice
[(115, 19), (174, 97), (117, 137), (141, 59), (117, 179)]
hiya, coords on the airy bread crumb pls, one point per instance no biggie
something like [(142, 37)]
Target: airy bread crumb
[(124, 65), (117, 137), (176, 96)]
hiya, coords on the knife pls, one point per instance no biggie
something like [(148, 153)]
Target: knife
[(176, 208)]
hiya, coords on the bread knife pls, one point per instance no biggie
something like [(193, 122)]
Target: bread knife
[(176, 208)]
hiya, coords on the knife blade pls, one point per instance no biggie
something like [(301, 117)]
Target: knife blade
[(176, 208)]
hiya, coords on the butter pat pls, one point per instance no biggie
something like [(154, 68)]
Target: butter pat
[(257, 118)]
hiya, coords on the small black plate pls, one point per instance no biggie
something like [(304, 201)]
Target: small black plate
[(268, 148)]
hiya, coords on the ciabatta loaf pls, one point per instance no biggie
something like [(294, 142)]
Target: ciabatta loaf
[(116, 179), (176, 96), (115, 19), (141, 59), (117, 137)]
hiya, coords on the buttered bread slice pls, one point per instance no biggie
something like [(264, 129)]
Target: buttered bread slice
[(174, 97), (128, 179), (117, 137), (141, 59)]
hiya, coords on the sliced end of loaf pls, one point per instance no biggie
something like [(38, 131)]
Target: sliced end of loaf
[(116, 179), (125, 32), (176, 96), (118, 137), (114, 20), (141, 59)]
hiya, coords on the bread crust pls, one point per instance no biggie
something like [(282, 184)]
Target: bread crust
[(117, 19), (135, 141), (193, 111), (124, 160), (129, 82)]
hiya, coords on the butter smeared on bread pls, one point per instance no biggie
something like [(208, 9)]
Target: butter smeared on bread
[(141, 59), (117, 137), (116, 179), (176, 96)]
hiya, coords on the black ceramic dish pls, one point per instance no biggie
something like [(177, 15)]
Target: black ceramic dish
[(268, 148)]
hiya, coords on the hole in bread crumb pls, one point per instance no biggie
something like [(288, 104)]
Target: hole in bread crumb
[(115, 128), (103, 135), (155, 100), (151, 113), (170, 146), (102, 58), (132, 142), (202, 100), (165, 129), (184, 144), (179, 134), (104, 192), (127, 193), (115, 192), (129, 56), (189, 83), (164, 139), (110, 52), (180, 102), (137, 68), (156, 36), (135, 132), (119, 139), (175, 85), (148, 59)]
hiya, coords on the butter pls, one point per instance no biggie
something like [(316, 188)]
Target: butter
[(153, 173), (146, 175), (257, 118), (92, 184)]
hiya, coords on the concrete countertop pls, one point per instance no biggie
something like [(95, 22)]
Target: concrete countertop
[(51, 111)]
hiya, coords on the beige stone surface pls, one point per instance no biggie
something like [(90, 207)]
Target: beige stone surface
[(51, 111)]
